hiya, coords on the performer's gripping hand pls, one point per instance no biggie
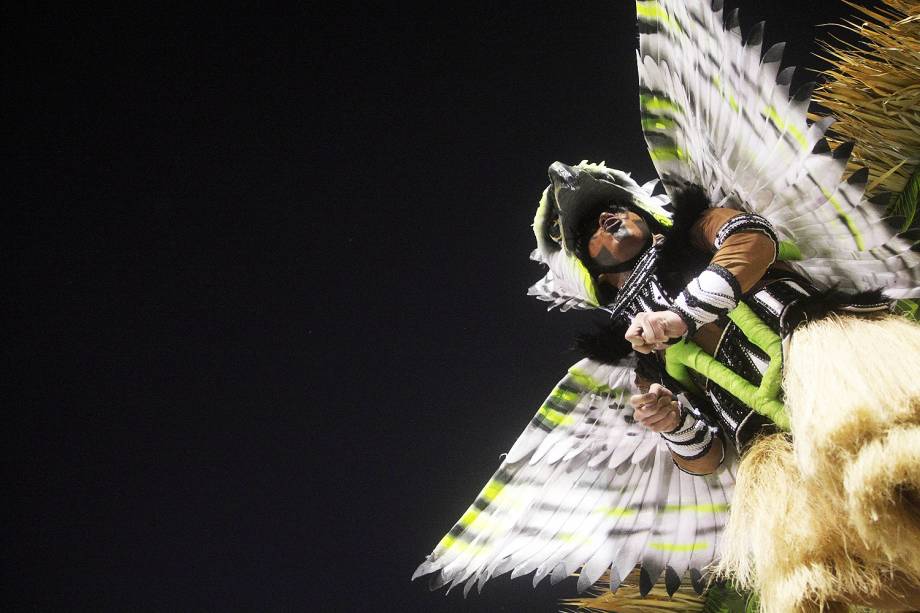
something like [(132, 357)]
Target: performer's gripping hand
[(657, 410), (650, 331)]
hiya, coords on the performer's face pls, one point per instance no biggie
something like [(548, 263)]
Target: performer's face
[(621, 235)]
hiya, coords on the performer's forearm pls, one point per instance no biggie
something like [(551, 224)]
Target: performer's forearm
[(704, 465), (745, 247), (694, 444)]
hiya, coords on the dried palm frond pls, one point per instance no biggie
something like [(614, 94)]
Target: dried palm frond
[(628, 600), (873, 89)]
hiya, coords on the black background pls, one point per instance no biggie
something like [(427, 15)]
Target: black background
[(267, 331)]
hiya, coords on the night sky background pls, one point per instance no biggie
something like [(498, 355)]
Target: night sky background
[(266, 329)]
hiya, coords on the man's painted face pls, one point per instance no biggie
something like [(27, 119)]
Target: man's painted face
[(621, 235)]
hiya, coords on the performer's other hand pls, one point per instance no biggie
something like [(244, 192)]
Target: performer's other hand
[(657, 410), (650, 331)]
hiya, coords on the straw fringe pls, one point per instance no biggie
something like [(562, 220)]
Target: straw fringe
[(837, 510), (873, 89)]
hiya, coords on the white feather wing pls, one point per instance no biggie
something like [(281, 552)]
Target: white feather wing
[(585, 487), (718, 113)]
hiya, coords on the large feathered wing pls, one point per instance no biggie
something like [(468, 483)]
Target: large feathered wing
[(584, 487), (717, 112)]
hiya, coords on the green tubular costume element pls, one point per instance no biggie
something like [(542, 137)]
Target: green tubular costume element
[(686, 355)]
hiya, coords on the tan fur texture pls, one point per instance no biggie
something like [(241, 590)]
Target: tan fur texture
[(834, 517), (882, 485), (847, 379)]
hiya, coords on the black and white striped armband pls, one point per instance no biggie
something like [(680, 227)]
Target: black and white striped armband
[(746, 222), (692, 439), (706, 298)]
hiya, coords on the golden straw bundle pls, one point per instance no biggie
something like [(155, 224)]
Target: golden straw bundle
[(873, 90)]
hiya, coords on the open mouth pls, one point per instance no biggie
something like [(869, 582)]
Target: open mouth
[(612, 224)]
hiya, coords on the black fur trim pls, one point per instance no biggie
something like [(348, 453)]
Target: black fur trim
[(678, 260), (649, 367), (607, 344), (833, 301), (606, 293)]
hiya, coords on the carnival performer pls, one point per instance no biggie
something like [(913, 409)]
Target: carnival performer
[(753, 315)]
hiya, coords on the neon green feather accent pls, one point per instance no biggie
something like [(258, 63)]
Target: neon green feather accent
[(782, 126), (860, 245), (564, 396), (652, 10), (492, 489), (686, 355), (702, 508), (592, 385), (651, 124), (540, 221), (617, 511), (657, 104), (469, 517), (729, 98), (679, 547), (789, 251), (667, 222), (667, 154), (557, 418), (650, 207), (586, 280)]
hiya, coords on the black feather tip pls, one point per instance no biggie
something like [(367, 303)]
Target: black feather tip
[(645, 582), (671, 580), (696, 580)]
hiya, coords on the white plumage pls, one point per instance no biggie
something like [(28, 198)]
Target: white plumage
[(717, 114), (584, 486)]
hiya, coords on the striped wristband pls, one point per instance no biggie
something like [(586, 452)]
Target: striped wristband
[(746, 222), (706, 298), (692, 439)]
